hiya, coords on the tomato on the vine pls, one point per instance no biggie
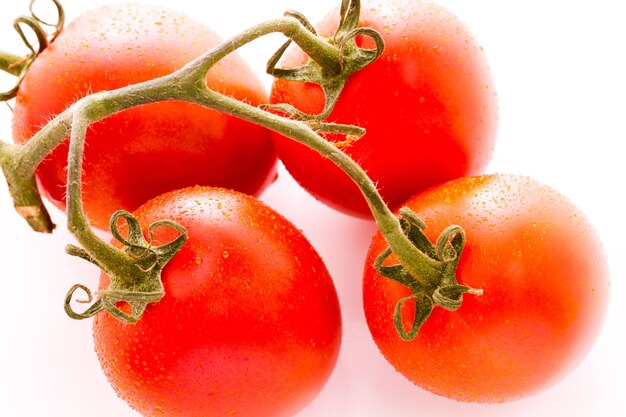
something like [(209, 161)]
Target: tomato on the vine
[(250, 322), (428, 105), (140, 153), (545, 282)]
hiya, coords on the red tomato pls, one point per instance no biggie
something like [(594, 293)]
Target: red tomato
[(249, 324), (428, 105), (145, 151), (545, 283)]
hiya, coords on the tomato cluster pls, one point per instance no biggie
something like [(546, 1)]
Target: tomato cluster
[(144, 151), (250, 323)]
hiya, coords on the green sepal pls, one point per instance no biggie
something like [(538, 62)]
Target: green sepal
[(450, 297), (332, 80), (423, 307), (143, 286), (35, 23), (446, 292)]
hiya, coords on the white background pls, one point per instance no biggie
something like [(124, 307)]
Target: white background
[(559, 71)]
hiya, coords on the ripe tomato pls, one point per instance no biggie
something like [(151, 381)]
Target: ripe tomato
[(142, 152), (249, 324), (428, 105), (545, 283)]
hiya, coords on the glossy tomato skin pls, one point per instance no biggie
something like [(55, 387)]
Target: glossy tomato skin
[(250, 324), (428, 105), (140, 153), (546, 289)]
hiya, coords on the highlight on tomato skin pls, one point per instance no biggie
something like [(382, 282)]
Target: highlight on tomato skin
[(142, 152), (428, 105), (250, 322), (546, 290)]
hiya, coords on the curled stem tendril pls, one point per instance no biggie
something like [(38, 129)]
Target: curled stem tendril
[(144, 287), (36, 25)]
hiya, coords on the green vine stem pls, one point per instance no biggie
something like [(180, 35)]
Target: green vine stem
[(18, 162), (126, 266)]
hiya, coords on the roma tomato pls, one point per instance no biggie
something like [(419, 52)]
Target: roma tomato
[(545, 283), (428, 104), (142, 152), (249, 324)]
